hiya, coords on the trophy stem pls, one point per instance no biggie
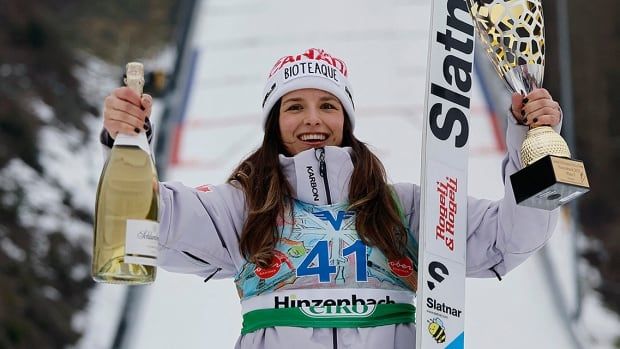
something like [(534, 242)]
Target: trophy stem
[(524, 79)]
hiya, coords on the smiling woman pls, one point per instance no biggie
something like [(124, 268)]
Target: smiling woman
[(322, 249)]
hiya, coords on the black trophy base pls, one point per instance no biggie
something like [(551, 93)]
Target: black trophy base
[(550, 182)]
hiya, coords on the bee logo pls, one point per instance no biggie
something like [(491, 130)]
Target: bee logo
[(437, 330)]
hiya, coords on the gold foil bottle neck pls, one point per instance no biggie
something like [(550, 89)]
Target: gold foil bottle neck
[(134, 76)]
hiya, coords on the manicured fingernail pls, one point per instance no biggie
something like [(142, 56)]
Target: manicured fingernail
[(145, 126), (525, 100), (535, 120), (522, 112), (137, 130)]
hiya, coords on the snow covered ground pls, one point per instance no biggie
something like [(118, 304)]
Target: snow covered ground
[(235, 43)]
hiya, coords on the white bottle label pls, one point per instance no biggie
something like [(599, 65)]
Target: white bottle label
[(141, 241), (138, 140)]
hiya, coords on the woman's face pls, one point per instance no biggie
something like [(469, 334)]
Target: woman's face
[(310, 118)]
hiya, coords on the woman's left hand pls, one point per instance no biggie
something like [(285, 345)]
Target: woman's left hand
[(537, 109)]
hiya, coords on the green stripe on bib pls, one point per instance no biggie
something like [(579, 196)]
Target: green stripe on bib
[(337, 316)]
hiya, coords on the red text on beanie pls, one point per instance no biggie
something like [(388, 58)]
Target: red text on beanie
[(313, 68)]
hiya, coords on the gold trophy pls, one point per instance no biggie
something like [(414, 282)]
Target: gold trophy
[(513, 34)]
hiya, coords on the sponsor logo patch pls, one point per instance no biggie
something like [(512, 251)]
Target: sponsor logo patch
[(402, 267)]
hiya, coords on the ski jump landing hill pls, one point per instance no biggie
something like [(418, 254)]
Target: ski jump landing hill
[(232, 44)]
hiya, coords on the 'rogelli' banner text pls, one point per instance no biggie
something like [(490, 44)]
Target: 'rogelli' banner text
[(443, 229)]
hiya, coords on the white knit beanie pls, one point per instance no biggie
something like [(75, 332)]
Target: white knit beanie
[(313, 68)]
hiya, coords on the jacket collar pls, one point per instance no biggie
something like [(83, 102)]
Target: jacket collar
[(303, 172)]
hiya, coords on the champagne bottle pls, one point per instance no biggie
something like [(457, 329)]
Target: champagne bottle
[(126, 228)]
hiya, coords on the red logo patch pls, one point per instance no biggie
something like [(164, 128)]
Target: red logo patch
[(205, 188), (274, 268), (402, 267), (266, 273)]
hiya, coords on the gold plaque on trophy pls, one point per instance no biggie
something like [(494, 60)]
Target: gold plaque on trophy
[(513, 34)]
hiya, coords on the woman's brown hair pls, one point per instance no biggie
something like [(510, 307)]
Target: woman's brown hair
[(268, 194)]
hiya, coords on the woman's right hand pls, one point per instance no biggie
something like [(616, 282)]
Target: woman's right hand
[(125, 112), (536, 109)]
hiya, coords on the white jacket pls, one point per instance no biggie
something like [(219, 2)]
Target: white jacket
[(200, 230)]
